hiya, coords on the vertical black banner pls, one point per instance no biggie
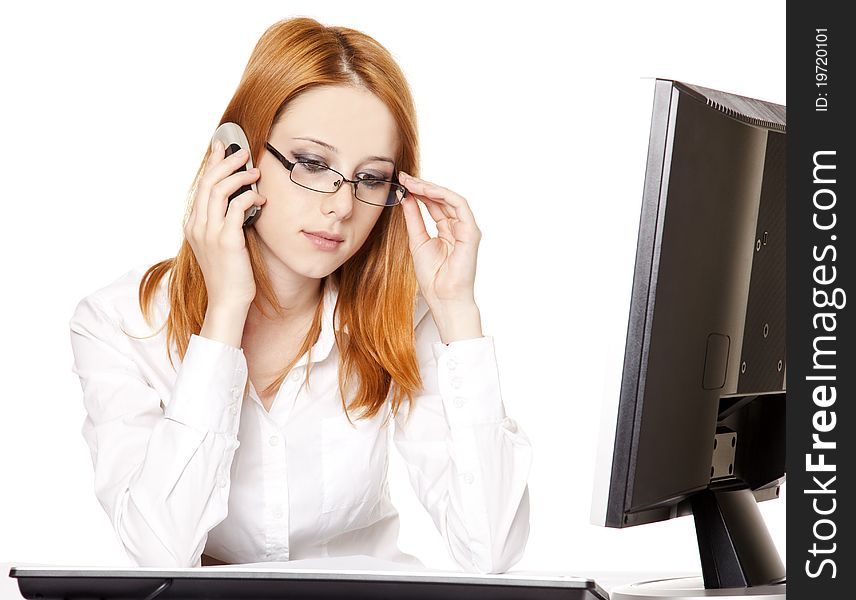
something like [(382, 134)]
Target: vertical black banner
[(821, 103)]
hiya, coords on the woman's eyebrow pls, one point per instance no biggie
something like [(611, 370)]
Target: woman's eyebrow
[(333, 149)]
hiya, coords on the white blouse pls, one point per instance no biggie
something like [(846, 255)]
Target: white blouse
[(185, 464)]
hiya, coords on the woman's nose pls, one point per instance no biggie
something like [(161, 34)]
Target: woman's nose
[(341, 201)]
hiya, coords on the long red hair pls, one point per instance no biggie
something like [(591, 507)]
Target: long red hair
[(377, 286)]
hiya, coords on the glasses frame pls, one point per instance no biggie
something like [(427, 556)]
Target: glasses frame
[(290, 166)]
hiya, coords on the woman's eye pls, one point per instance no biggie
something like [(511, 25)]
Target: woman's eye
[(313, 166), (372, 176), (372, 180)]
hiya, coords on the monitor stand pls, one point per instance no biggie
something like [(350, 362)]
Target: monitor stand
[(738, 557)]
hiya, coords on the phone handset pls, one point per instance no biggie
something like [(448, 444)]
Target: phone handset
[(234, 138)]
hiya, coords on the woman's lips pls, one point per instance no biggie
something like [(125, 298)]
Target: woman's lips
[(322, 243)]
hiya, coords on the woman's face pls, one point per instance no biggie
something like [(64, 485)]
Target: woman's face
[(347, 129)]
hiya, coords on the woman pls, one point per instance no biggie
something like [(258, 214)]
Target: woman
[(236, 454)]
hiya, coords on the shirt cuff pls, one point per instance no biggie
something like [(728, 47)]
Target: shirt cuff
[(468, 381), (209, 386)]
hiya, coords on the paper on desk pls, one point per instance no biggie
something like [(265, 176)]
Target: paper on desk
[(361, 563), (358, 562)]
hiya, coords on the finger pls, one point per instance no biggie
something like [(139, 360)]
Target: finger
[(449, 228), (445, 224), (235, 213), (444, 230), (414, 189), (416, 231), (218, 149), (435, 209), (199, 210), (445, 195), (215, 169), (218, 203), (221, 167), (229, 165)]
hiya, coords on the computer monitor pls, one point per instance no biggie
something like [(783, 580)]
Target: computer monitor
[(699, 424)]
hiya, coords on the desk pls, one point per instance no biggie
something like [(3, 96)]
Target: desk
[(605, 579)]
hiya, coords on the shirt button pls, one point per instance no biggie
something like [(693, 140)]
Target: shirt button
[(468, 477), (233, 409), (451, 363), (236, 391), (277, 514), (459, 401), (221, 482), (295, 375), (456, 382), (274, 440)]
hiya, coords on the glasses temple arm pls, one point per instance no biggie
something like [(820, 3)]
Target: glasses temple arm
[(279, 156)]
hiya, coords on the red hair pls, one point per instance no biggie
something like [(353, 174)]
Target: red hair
[(377, 286)]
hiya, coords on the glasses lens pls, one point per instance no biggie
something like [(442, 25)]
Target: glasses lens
[(381, 193), (315, 177), (323, 179)]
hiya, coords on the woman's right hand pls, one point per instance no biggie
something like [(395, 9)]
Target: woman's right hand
[(216, 234)]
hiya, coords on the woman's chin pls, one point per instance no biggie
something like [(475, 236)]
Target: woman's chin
[(312, 264), (318, 273), (314, 267)]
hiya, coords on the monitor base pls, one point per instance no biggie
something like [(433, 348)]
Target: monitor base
[(692, 588)]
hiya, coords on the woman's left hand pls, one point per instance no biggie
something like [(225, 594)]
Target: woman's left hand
[(445, 265)]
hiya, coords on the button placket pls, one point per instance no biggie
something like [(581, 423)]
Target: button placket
[(288, 395), (276, 491)]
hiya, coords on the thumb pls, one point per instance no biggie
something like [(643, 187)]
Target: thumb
[(416, 231)]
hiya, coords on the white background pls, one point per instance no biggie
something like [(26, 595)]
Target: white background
[(536, 112)]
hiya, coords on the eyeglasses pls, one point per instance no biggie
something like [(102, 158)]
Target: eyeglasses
[(318, 177)]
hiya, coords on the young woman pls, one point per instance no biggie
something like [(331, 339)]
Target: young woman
[(300, 336)]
